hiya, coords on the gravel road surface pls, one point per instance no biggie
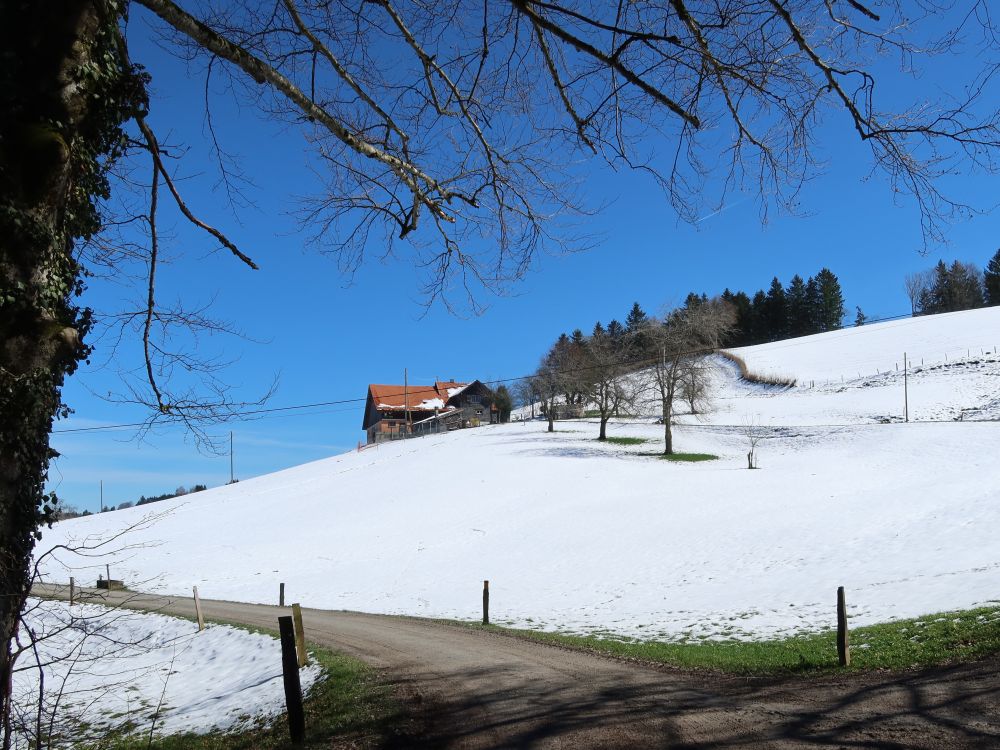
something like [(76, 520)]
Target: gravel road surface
[(469, 689)]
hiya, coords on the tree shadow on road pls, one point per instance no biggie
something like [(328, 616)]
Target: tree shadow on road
[(944, 707)]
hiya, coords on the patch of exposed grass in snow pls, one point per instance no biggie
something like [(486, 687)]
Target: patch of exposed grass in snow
[(942, 638), (684, 457), (626, 440)]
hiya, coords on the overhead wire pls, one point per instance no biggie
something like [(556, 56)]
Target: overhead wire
[(239, 415)]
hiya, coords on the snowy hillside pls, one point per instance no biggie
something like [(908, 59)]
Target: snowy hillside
[(877, 348), (577, 535)]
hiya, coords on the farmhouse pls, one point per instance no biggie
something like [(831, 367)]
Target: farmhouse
[(395, 411)]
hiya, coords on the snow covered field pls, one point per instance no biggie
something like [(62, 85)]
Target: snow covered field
[(106, 669), (580, 536)]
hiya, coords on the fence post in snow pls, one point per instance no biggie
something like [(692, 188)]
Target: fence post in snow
[(281, 595), (72, 590), (300, 635), (486, 602), (293, 688), (906, 390), (197, 609), (843, 637)]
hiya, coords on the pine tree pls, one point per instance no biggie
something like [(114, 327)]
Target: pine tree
[(831, 312), (758, 318), (578, 377), (744, 319), (503, 403), (966, 286), (936, 297), (799, 318), (991, 280), (598, 329), (636, 319), (814, 306), (860, 318), (635, 324), (693, 300), (615, 330), (775, 312)]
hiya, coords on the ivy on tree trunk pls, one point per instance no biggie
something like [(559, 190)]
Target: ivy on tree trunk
[(64, 94)]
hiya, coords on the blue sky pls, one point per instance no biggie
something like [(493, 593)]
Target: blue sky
[(326, 337)]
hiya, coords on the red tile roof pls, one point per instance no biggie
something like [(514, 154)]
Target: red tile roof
[(414, 397)]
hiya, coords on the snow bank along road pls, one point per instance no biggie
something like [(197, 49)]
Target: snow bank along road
[(470, 689)]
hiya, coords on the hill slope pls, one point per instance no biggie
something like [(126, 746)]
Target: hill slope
[(578, 535)]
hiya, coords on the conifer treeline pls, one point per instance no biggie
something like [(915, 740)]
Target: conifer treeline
[(949, 288), (803, 307)]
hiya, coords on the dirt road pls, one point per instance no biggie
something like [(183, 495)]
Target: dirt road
[(470, 689)]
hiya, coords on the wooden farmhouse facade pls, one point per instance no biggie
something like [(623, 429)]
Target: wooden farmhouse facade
[(399, 411)]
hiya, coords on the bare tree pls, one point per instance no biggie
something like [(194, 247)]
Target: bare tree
[(610, 386), (685, 337), (526, 394), (694, 388), (548, 383), (916, 284), (754, 433)]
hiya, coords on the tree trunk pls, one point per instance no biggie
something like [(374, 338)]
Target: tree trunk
[(58, 120), (668, 438), (550, 412), (604, 428)]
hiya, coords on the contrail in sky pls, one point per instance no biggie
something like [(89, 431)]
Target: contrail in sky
[(719, 211)]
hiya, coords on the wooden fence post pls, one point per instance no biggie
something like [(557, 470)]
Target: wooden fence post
[(107, 569), (281, 595), (293, 688), (72, 590), (197, 610), (486, 602), (843, 637), (300, 635)]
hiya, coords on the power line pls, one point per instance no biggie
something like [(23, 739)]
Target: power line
[(238, 415)]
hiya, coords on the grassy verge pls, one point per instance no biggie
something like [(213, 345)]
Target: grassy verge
[(626, 440), (346, 707), (926, 641)]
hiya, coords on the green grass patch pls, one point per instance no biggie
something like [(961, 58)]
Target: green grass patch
[(347, 706), (688, 457), (683, 457), (943, 638), (626, 440)]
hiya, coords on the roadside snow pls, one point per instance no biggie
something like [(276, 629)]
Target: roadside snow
[(111, 669), (577, 535)]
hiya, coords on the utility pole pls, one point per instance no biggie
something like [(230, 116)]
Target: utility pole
[(102, 496), (231, 475), (406, 400), (906, 391)]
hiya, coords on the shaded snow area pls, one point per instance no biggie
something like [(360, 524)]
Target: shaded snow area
[(113, 669), (581, 536)]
